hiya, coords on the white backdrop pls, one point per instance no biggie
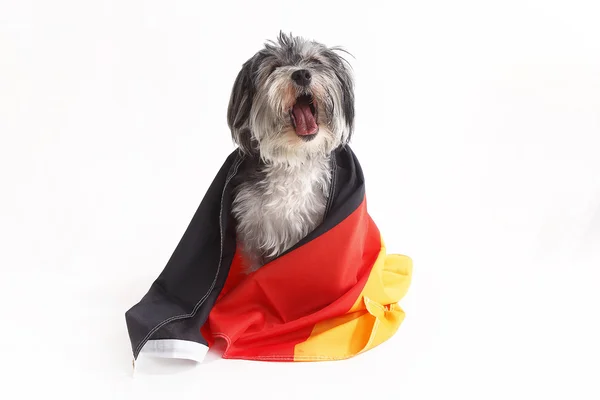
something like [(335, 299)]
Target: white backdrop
[(478, 127)]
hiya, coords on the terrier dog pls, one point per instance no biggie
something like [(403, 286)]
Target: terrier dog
[(291, 106)]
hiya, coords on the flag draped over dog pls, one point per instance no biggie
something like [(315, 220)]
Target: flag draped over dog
[(332, 296)]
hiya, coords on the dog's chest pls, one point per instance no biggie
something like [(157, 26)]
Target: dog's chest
[(278, 206)]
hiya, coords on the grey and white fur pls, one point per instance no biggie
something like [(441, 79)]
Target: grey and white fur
[(283, 197)]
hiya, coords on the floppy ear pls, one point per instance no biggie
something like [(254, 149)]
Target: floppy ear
[(240, 104), (343, 72), (347, 85)]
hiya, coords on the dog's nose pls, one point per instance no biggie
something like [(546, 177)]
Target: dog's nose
[(302, 77)]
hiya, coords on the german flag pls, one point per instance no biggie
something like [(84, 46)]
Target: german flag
[(332, 296)]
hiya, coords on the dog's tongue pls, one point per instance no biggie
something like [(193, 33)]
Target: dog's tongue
[(305, 120)]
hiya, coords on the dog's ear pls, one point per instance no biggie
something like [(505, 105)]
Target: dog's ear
[(240, 104), (348, 101), (343, 72)]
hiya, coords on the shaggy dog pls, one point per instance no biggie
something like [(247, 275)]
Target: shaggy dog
[(291, 106)]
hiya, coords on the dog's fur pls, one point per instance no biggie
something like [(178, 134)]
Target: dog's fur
[(283, 198)]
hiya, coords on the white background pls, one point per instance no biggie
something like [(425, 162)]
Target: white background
[(478, 128)]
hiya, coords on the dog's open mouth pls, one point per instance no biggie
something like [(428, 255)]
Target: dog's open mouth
[(304, 117)]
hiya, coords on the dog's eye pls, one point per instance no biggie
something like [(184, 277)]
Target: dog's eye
[(274, 68)]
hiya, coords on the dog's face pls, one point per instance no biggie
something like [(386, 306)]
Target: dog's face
[(292, 100)]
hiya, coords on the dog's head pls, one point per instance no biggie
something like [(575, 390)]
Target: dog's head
[(292, 100)]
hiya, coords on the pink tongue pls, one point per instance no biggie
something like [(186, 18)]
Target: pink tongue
[(305, 121)]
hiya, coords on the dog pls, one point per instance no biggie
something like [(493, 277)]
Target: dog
[(291, 107)]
